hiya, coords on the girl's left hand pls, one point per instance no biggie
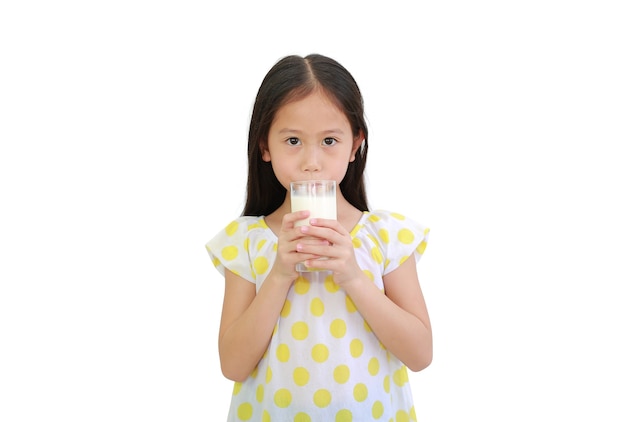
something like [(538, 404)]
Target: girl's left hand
[(338, 256)]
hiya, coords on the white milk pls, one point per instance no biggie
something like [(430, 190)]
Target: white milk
[(317, 196), (320, 206)]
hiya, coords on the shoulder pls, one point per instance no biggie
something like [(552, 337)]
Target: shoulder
[(381, 219), (230, 246), (243, 224), (238, 230), (395, 234)]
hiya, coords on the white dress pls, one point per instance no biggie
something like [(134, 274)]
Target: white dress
[(323, 362)]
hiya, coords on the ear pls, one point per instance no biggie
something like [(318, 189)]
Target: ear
[(265, 153), (356, 144)]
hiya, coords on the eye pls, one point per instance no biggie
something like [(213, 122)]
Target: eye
[(293, 141), (329, 141)]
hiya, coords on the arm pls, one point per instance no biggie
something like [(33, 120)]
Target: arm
[(398, 317), (249, 317), (247, 322)]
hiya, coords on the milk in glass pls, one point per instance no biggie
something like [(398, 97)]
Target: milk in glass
[(316, 196)]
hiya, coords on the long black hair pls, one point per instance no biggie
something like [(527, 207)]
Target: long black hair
[(292, 78)]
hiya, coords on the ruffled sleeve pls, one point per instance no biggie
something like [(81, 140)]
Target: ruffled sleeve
[(399, 237), (229, 249)]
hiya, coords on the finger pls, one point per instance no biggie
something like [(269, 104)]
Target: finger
[(312, 241), (290, 219), (328, 234), (331, 224), (320, 263)]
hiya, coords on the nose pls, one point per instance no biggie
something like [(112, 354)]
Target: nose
[(311, 160)]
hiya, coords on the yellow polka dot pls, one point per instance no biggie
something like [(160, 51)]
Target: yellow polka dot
[(374, 240), (301, 285), (356, 242), (259, 393), (384, 235), (376, 255), (263, 223), (317, 306), (229, 253), (286, 309), (282, 352), (356, 348), (282, 398), (386, 384), (330, 285), (322, 398), (369, 274), (360, 392), (373, 218), (400, 377), (300, 376), (373, 366), (236, 388), (397, 216), (255, 226), (356, 229), (231, 229), (260, 244), (266, 416), (404, 258), (216, 261), (246, 244), (261, 264), (300, 330), (377, 409), (338, 328), (412, 414), (319, 353), (301, 417), (350, 306), (344, 415), (367, 326), (255, 372), (422, 247), (244, 411), (405, 236), (402, 416), (268, 375), (341, 374), (275, 247)]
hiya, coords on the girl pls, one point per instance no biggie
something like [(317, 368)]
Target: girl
[(334, 344)]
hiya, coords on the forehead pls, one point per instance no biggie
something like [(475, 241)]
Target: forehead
[(303, 92), (316, 106)]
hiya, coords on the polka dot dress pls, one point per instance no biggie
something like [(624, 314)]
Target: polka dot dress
[(323, 362)]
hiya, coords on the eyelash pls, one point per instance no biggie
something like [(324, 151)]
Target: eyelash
[(290, 141)]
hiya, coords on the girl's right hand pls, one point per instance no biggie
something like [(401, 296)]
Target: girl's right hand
[(289, 238)]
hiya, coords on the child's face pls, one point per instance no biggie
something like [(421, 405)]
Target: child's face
[(310, 139)]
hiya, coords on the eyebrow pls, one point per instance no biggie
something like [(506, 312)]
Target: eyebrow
[(324, 132)]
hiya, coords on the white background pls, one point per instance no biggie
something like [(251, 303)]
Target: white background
[(123, 128)]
